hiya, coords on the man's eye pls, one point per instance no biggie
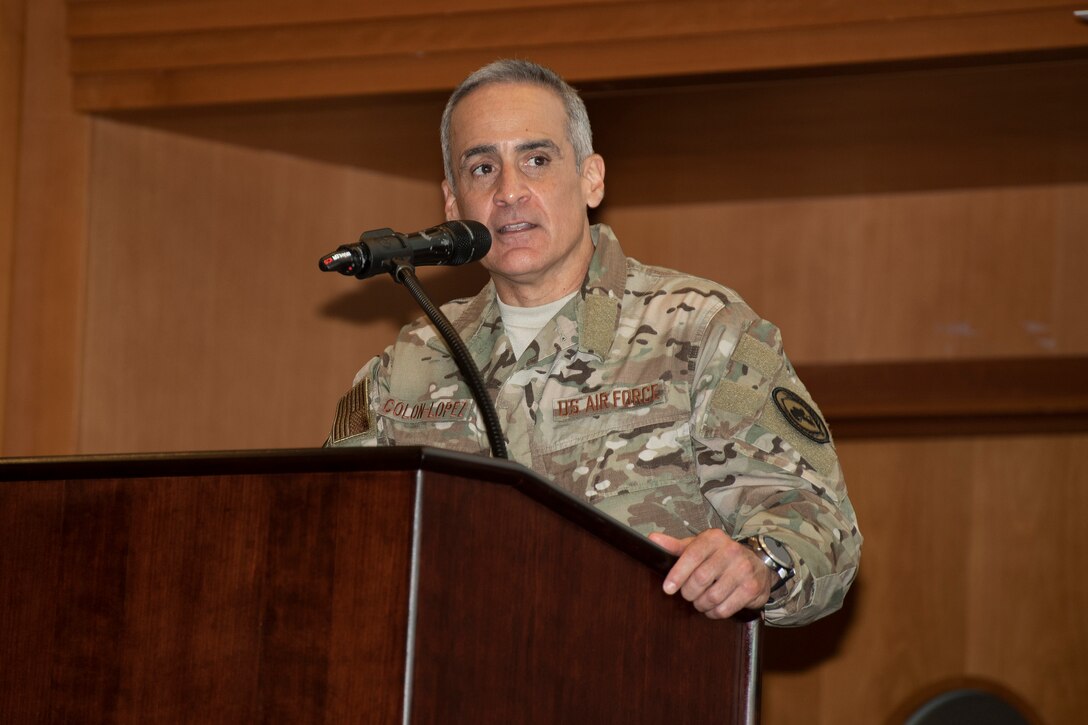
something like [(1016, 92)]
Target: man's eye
[(538, 160), (482, 169)]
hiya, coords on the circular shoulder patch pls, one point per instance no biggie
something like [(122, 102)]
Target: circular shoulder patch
[(801, 415)]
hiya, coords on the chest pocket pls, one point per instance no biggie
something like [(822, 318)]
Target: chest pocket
[(633, 459)]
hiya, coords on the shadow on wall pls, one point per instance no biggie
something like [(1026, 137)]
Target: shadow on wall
[(789, 650), (961, 700), (848, 134), (719, 138)]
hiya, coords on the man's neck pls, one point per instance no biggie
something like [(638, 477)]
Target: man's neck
[(547, 287), (517, 295)]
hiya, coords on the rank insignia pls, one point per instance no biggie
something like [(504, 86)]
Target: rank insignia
[(801, 415)]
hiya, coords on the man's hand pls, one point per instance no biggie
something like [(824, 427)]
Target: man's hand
[(716, 574)]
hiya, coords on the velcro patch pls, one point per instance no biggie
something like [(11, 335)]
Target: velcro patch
[(607, 401), (733, 398), (801, 415), (428, 411), (599, 324), (353, 413), (757, 354)]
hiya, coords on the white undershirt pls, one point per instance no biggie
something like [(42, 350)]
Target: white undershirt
[(523, 324)]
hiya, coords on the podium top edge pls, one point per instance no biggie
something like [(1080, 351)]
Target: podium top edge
[(228, 462), (339, 460)]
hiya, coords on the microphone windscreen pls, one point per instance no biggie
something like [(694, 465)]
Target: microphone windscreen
[(470, 241)]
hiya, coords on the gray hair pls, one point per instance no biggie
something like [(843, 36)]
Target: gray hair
[(509, 70)]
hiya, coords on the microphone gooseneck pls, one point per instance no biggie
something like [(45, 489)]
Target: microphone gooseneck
[(406, 275), (455, 242)]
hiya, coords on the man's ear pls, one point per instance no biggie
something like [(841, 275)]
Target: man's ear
[(593, 180), (452, 210)]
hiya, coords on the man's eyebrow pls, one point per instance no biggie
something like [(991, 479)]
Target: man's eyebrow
[(543, 143), (490, 148), (478, 151)]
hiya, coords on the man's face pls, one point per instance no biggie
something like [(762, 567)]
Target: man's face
[(515, 171)]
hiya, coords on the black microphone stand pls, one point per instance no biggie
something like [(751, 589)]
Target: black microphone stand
[(405, 274)]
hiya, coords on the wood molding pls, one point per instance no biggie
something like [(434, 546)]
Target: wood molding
[(47, 308), (11, 94), (172, 53), (952, 397)]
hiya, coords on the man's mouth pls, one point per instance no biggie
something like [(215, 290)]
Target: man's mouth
[(516, 227)]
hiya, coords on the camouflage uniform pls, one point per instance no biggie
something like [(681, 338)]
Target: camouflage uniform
[(660, 398)]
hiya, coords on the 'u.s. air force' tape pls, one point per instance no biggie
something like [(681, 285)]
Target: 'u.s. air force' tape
[(623, 397)]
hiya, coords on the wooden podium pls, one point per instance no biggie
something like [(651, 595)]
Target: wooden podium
[(404, 585)]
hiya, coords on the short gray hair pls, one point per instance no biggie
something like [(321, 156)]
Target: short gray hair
[(510, 70)]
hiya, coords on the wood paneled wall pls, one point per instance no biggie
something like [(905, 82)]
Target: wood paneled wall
[(12, 25), (208, 322), (184, 52), (45, 337), (954, 584), (164, 293)]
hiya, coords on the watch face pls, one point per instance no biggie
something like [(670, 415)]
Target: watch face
[(777, 552)]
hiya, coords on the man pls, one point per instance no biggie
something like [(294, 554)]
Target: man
[(660, 398)]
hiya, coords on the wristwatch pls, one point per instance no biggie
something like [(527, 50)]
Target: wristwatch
[(776, 557)]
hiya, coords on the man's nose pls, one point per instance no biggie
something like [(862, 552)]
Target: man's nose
[(511, 189)]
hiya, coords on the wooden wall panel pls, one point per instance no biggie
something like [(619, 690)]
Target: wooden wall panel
[(1027, 495), (882, 216), (953, 583), (91, 18), (124, 58), (12, 28), (954, 397), (898, 276), (712, 140), (47, 291), (209, 325), (1071, 224), (848, 134), (364, 34)]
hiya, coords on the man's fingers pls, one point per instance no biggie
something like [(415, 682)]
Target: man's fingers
[(748, 585), (670, 543), (677, 547), (696, 569), (716, 574), (705, 574), (730, 594)]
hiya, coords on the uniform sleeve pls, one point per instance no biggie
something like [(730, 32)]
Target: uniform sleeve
[(767, 463)]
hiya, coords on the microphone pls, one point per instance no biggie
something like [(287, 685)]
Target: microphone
[(380, 250)]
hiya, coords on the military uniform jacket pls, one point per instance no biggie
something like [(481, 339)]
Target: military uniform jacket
[(660, 398)]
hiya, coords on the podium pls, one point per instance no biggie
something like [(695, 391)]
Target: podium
[(400, 585)]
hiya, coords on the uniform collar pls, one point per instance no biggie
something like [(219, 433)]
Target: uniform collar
[(602, 293)]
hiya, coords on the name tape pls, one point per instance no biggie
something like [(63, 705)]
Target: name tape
[(428, 410), (603, 401)]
